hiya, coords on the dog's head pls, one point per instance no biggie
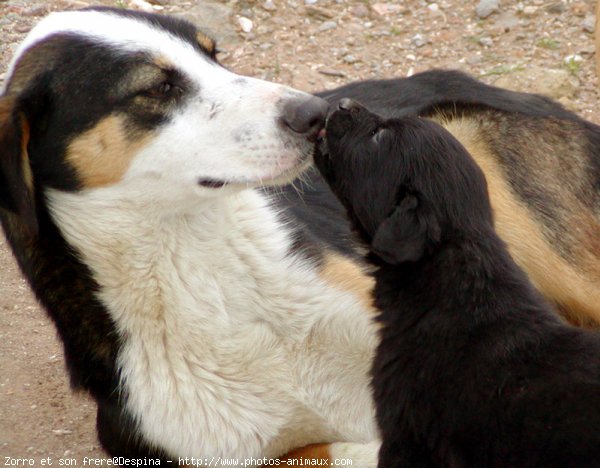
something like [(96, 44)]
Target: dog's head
[(112, 98), (407, 183)]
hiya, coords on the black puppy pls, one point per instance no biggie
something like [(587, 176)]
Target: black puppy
[(474, 369)]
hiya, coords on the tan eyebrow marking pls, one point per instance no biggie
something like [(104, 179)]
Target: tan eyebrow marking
[(205, 42)]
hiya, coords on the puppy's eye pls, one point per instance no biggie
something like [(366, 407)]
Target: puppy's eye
[(377, 133)]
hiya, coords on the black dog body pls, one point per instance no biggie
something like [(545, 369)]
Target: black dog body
[(543, 169), (473, 369)]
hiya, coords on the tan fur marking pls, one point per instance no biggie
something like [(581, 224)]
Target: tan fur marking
[(163, 63), (102, 155), (344, 274), (26, 167), (205, 42), (578, 297), (7, 104), (310, 452)]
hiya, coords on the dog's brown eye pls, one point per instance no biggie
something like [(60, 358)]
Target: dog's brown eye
[(164, 89)]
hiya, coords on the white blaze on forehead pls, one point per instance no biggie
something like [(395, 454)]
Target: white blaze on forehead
[(122, 33)]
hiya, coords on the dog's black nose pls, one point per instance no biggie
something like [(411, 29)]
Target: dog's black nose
[(305, 116), (348, 104)]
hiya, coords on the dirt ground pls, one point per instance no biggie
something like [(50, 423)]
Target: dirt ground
[(535, 45)]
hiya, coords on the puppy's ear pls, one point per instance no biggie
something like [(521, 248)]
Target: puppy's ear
[(16, 181), (404, 235)]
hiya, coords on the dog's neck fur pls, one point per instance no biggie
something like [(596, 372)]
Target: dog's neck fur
[(196, 288)]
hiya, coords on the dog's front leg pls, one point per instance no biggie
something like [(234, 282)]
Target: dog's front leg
[(363, 455)]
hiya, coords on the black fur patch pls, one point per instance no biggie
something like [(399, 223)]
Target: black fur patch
[(473, 368), (443, 90), (531, 136), (318, 220)]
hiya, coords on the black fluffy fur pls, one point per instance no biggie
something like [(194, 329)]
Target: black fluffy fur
[(473, 369)]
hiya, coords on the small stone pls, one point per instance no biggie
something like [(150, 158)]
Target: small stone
[(23, 28), (589, 24), (310, 2), (327, 26), (71, 4), (360, 10), (245, 23), (486, 41), (474, 60), (217, 20), (486, 7), (579, 9), (319, 13), (418, 40), (37, 11), (141, 5), (269, 5), (384, 9), (331, 72), (574, 58), (433, 7), (349, 58), (529, 10), (557, 8), (506, 22)]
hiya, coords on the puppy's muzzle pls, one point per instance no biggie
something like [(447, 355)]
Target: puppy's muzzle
[(305, 116)]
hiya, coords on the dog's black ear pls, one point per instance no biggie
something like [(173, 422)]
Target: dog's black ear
[(404, 235), (16, 181)]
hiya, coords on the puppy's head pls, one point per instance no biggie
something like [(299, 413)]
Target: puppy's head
[(407, 183), (113, 98)]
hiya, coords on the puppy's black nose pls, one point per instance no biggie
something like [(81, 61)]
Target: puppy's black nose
[(305, 116), (348, 104)]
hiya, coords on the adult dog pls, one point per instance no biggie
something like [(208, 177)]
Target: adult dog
[(474, 368), (186, 303), (206, 315)]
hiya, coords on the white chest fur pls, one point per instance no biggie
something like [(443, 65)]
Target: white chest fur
[(231, 346)]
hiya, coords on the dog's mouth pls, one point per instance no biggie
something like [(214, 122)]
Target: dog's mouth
[(212, 183), (284, 175)]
